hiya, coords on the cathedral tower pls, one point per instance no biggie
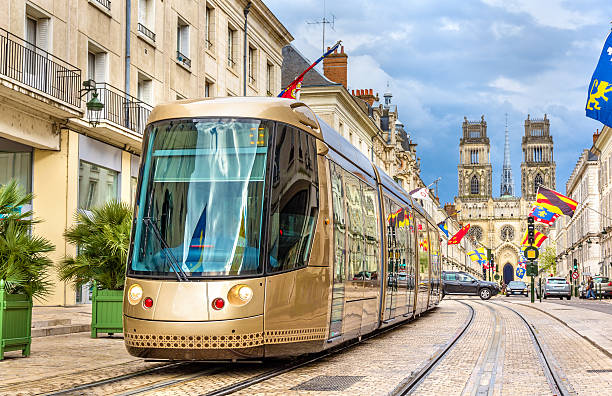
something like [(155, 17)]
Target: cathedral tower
[(475, 171), (538, 166), (507, 182)]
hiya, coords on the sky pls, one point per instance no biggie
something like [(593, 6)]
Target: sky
[(447, 59)]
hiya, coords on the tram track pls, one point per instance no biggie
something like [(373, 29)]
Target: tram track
[(411, 383), (552, 376)]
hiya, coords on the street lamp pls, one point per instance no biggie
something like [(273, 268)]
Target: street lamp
[(94, 106)]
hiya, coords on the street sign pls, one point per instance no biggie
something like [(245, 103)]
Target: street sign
[(532, 269), (496, 276), (531, 253), (575, 275), (520, 272)]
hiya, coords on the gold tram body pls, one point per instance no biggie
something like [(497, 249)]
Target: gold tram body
[(289, 313)]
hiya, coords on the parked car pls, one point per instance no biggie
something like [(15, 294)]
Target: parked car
[(557, 287), (602, 282), (457, 282), (517, 287)]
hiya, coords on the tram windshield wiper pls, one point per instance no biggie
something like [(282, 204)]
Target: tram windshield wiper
[(180, 274)]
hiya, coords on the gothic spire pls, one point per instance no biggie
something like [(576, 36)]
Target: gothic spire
[(507, 183)]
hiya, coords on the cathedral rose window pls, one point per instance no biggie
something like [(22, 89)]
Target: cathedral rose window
[(475, 232), (507, 233)]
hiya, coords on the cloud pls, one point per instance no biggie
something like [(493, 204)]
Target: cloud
[(507, 84), (448, 25), (504, 30)]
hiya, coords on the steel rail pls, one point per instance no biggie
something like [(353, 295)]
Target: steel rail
[(552, 377), (113, 379), (412, 382)]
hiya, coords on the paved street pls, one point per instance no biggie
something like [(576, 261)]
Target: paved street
[(496, 355)]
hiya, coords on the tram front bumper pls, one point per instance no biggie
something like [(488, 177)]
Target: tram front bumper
[(203, 340)]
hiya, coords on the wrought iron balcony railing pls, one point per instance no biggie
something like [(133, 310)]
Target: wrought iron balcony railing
[(105, 3), (183, 59), (121, 108), (38, 69), (143, 29)]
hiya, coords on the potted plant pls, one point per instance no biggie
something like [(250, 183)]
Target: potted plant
[(23, 269), (102, 237)]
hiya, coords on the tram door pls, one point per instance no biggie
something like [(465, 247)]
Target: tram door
[(410, 264), (400, 260), (391, 267), (339, 235), (423, 264), (434, 272)]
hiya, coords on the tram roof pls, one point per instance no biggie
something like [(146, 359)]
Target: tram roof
[(270, 108)]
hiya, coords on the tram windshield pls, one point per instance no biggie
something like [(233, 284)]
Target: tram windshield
[(200, 198)]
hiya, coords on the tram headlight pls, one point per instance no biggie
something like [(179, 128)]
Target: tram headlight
[(135, 294), (240, 295)]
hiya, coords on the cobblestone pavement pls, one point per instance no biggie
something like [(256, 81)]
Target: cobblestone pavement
[(496, 356), (584, 369), (604, 306)]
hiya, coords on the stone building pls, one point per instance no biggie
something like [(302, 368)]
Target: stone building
[(499, 223), (374, 129), (579, 237), (157, 50)]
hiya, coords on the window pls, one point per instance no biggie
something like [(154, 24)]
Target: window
[(96, 64), (335, 327), (37, 35), (474, 188), (270, 80), (182, 43), (537, 183), (208, 89), (210, 28), (16, 163), (295, 200), (97, 185), (146, 20), (474, 134), (145, 89), (252, 65), (133, 185), (474, 156), (231, 55)]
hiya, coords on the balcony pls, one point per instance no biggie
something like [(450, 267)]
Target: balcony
[(35, 68), (120, 109), (185, 61), (104, 3), (146, 32)]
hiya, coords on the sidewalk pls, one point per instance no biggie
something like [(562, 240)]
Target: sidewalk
[(591, 324), (47, 321)]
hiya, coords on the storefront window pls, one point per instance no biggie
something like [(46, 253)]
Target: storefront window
[(16, 166), (133, 184), (97, 185)]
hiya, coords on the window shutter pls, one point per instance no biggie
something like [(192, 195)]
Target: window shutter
[(42, 34), (142, 12), (147, 91), (100, 67), (31, 30), (184, 40)]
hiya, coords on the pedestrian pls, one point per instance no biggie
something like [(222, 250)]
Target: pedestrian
[(590, 286)]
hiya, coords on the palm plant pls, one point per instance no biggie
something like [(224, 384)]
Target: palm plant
[(24, 265), (102, 238)]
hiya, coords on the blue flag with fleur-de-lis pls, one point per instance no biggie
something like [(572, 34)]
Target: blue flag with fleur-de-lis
[(598, 104)]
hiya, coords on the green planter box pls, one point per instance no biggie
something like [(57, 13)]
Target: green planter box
[(106, 311), (15, 322)]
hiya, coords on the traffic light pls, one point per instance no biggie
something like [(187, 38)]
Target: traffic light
[(493, 263), (575, 265), (530, 230)]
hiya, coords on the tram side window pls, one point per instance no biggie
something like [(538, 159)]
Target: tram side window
[(339, 222), (410, 254), (294, 200), (434, 238), (354, 215), (423, 249), (370, 206)]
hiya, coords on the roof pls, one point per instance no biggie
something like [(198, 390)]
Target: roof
[(294, 63)]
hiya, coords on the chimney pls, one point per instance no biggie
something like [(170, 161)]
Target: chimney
[(335, 66), (366, 95), (596, 136)]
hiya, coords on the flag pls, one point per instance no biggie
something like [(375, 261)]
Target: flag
[(478, 254), (484, 263), (293, 89), (555, 202), (424, 245), (598, 106), (420, 193), (543, 215), (538, 238), (456, 239), (442, 225)]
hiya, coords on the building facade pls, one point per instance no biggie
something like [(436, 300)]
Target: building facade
[(499, 223), (157, 50)]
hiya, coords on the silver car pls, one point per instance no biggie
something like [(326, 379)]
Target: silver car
[(557, 287)]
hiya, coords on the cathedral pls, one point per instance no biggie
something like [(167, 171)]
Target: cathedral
[(499, 223)]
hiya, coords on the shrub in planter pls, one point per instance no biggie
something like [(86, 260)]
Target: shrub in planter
[(102, 237), (24, 268)]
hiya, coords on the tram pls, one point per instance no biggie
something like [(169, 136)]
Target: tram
[(260, 232)]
